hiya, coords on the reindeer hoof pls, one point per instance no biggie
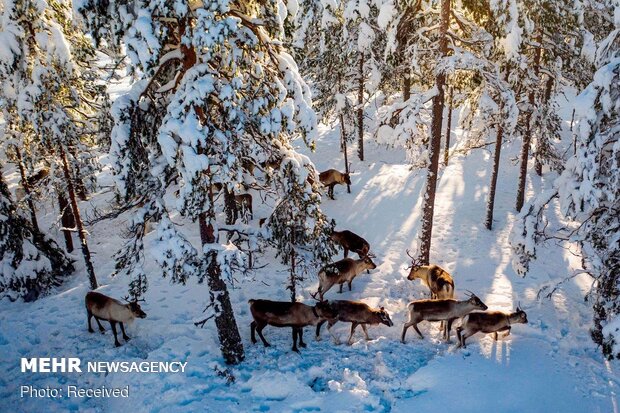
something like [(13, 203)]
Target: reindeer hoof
[(295, 349), (126, 338), (90, 330), (117, 344), (302, 345), (318, 338)]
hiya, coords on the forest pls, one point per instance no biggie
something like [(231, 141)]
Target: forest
[(216, 168)]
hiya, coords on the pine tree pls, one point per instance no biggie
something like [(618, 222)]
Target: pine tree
[(48, 91), (208, 111), (30, 263), (588, 195)]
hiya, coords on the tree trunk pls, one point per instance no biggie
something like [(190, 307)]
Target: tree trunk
[(407, 86), (527, 138), (435, 142), (360, 109), (293, 284), (547, 96), (27, 190), (488, 223), (449, 128), (344, 149), (78, 221), (67, 220), (227, 330), (572, 119)]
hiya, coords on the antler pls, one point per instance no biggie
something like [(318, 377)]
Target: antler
[(415, 262), (470, 293)]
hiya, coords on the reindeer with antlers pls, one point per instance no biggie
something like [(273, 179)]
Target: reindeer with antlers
[(107, 308), (438, 280)]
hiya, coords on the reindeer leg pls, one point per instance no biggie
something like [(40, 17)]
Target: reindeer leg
[(405, 328), (495, 336), (417, 330), (353, 327), (318, 329), (330, 324), (259, 330), (125, 336), (350, 281), (459, 337), (300, 332), (252, 331), (89, 317), (340, 290), (448, 328), (346, 252), (365, 329), (101, 329), (116, 342), (295, 340)]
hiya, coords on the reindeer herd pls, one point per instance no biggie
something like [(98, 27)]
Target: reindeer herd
[(441, 307)]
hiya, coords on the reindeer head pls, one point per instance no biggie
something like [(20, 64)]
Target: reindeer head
[(416, 264), (385, 317), (134, 307), (347, 179), (519, 315), (476, 302), (368, 263)]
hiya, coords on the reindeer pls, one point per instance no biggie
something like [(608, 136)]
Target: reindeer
[(106, 308), (340, 272), (286, 314), (440, 310), (244, 203), (350, 241), (331, 178), (357, 313), (438, 280), (489, 322)]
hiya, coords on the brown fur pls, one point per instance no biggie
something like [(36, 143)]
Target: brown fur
[(439, 310), (331, 178), (106, 308), (342, 271), (349, 241), (356, 313), (286, 314), (488, 322), (438, 280)]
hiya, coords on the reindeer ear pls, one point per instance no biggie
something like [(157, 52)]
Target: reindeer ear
[(382, 308)]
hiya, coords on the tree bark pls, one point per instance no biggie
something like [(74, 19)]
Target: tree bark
[(547, 96), (78, 221), (227, 330), (406, 86), (360, 109), (488, 223), (67, 220), (527, 137), (435, 141), (449, 128), (27, 190), (343, 136)]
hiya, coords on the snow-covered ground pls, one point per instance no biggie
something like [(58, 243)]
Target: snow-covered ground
[(548, 365)]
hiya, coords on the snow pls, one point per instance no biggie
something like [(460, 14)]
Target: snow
[(386, 14), (548, 365)]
